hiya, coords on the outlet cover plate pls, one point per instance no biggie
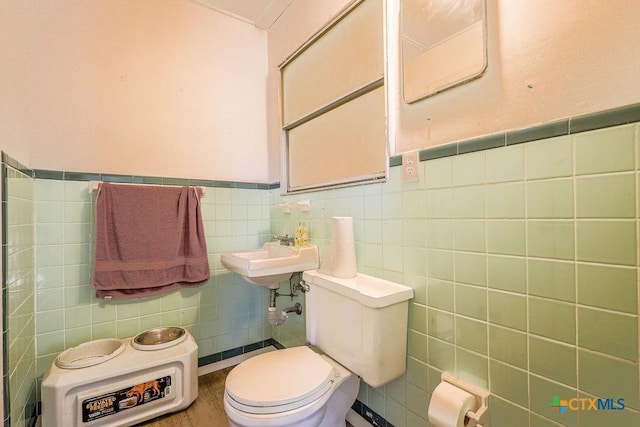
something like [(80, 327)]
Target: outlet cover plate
[(410, 166)]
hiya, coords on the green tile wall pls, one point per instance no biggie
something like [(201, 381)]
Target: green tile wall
[(524, 263), (19, 305), (523, 259), (225, 313)]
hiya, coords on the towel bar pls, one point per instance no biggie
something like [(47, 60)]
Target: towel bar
[(93, 186)]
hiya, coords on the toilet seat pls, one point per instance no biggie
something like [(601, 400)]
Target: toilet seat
[(279, 381)]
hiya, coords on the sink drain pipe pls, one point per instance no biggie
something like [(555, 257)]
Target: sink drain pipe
[(277, 319)]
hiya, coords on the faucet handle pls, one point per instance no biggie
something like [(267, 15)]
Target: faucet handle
[(285, 240)]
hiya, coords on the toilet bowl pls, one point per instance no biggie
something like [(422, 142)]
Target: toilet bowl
[(359, 324), (290, 387)]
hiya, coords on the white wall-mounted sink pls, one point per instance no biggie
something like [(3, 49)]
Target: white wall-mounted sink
[(272, 263)]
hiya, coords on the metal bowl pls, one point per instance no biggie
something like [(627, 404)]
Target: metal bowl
[(159, 338)]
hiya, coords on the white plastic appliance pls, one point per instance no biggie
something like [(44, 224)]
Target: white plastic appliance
[(110, 382)]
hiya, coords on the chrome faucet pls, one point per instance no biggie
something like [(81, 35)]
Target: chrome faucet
[(285, 240)]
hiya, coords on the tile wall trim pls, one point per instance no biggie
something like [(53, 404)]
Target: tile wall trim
[(32, 421), (10, 161), (371, 416), (395, 161), (228, 354), (571, 126), (154, 180)]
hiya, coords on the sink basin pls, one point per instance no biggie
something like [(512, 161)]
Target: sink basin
[(272, 263)]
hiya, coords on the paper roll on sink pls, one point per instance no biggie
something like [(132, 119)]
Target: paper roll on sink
[(341, 259)]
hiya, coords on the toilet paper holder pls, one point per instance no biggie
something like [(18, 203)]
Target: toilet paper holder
[(481, 395)]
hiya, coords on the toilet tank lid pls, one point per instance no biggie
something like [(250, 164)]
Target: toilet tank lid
[(368, 290)]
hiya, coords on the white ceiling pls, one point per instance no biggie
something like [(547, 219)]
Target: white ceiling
[(261, 13)]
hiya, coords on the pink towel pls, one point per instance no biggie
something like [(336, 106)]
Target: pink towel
[(149, 240)]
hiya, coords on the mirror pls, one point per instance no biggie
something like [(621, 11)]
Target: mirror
[(443, 44), (334, 106)]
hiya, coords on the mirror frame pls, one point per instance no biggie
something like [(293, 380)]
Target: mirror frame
[(450, 84)]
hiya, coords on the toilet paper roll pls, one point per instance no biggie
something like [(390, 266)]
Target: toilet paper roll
[(341, 259), (449, 406)]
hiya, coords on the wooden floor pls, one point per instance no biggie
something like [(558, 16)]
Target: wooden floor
[(207, 410)]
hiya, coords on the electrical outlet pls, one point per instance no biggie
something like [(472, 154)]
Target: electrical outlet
[(410, 166)]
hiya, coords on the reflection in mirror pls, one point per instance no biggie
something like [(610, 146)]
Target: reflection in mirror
[(443, 44)]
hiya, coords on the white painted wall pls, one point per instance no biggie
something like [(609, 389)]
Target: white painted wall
[(144, 87), (14, 126), (171, 88), (548, 60)]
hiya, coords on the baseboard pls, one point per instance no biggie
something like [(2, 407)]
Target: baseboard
[(232, 361)]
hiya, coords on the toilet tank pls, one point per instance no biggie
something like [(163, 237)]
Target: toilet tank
[(361, 323)]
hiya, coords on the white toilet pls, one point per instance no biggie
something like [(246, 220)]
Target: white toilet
[(361, 326)]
